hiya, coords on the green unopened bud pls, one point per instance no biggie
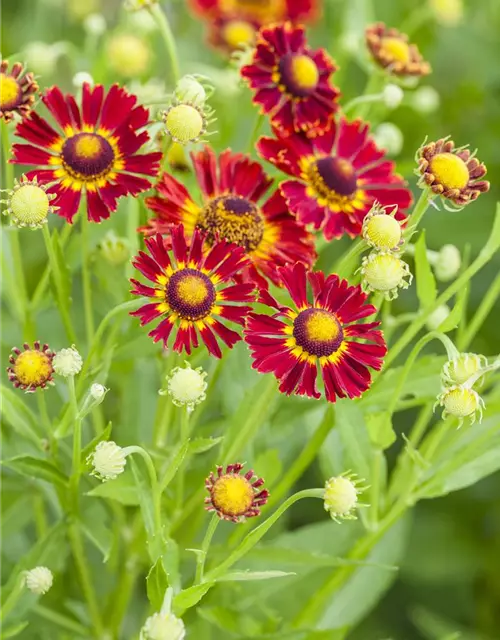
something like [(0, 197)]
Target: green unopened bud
[(341, 496), (389, 137), (189, 89), (386, 273), (461, 402), (447, 263), (458, 370), (114, 249), (437, 317)]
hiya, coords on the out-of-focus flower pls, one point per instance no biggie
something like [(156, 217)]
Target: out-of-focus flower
[(177, 159), (234, 496), (425, 100), (38, 580), (96, 154), (381, 229), (437, 317), (336, 177), (291, 82), (98, 391), (82, 77), (447, 262), (128, 55), (389, 137), (148, 92), (28, 203), (462, 402), (186, 386), (17, 90), (95, 24), (341, 496), (393, 96), (67, 362), (108, 461), (292, 342), (114, 249), (137, 5), (79, 10), (462, 368), (391, 50), (42, 58), (32, 368), (142, 22), (232, 188), (193, 297), (163, 626), (385, 273), (452, 173), (447, 12)]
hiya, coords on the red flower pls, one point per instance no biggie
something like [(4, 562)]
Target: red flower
[(337, 177), (93, 150), (192, 291), (293, 342), (231, 190), (17, 90), (291, 81)]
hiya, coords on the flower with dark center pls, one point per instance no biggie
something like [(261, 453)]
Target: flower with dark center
[(193, 291), (93, 150), (31, 368), (316, 330), (391, 50), (291, 81), (17, 90), (233, 187), (336, 177)]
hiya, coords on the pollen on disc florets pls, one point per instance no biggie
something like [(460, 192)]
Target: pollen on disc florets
[(381, 230), (28, 203), (461, 368), (341, 496), (462, 402), (67, 362), (108, 461), (163, 626), (38, 580), (186, 386), (385, 272), (31, 368)]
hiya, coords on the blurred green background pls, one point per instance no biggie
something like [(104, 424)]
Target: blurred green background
[(450, 578)]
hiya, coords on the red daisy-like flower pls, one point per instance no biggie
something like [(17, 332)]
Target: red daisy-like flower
[(93, 151), (291, 81), (293, 342), (17, 90), (337, 177), (193, 290), (232, 187)]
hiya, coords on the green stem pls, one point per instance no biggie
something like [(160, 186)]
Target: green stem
[(343, 267), (168, 39), (77, 443), (165, 406), (201, 559), (155, 487), (58, 281), (182, 470), (482, 312), (13, 598), (87, 278), (133, 222), (417, 214), (255, 132), (43, 283), (376, 82), (61, 621)]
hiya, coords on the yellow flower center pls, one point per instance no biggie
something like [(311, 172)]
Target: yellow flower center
[(318, 332), (88, 146), (191, 294), (304, 71), (32, 368), (232, 495), (396, 49), (232, 218), (383, 231), (385, 272), (29, 204), (10, 91), (237, 33), (184, 123), (461, 402), (192, 290), (450, 170), (322, 326)]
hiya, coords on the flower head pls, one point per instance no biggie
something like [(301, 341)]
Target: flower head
[(381, 229), (186, 386), (393, 96), (98, 391), (234, 496), (291, 81), (336, 177), (462, 402), (447, 263), (454, 174), (391, 50), (114, 249), (17, 91), (28, 203), (458, 370), (341, 496), (233, 208), (38, 580), (385, 272), (67, 362), (163, 626), (108, 461), (92, 150), (128, 55), (425, 100), (323, 331), (31, 368), (192, 291)]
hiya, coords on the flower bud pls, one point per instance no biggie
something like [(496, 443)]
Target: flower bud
[(461, 368), (437, 317), (115, 250), (28, 204), (41, 58), (95, 24), (188, 89), (447, 12), (38, 580), (128, 55), (163, 626), (186, 386), (341, 496), (462, 402), (108, 461), (447, 263), (425, 100), (98, 391), (81, 78), (385, 272), (389, 137), (67, 362), (393, 96), (381, 230)]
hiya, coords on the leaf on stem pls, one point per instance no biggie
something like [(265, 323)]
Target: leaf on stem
[(239, 576), (122, 489), (156, 584), (32, 467)]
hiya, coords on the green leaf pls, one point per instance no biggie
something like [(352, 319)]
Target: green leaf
[(173, 466), (380, 429), (453, 320), (426, 284), (122, 489), (19, 416), (37, 468), (145, 498), (355, 438), (187, 598), (64, 273), (239, 576), (268, 465), (95, 529), (104, 435), (156, 584), (14, 630), (200, 445), (493, 243)]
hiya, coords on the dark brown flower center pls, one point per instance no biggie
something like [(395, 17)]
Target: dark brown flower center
[(87, 155), (190, 293)]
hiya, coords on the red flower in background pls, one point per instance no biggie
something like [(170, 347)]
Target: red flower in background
[(234, 209), (192, 291), (337, 177), (292, 342), (93, 150), (291, 81)]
